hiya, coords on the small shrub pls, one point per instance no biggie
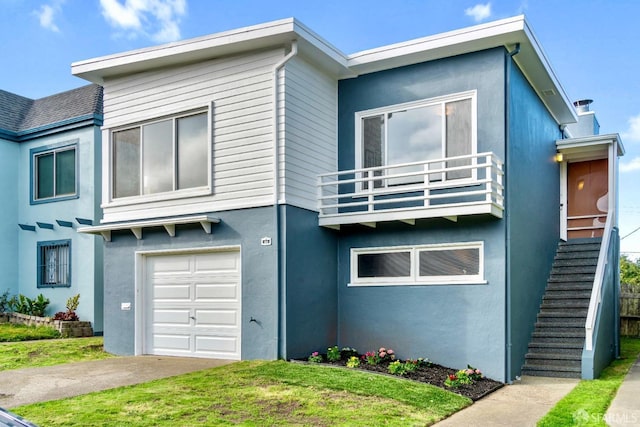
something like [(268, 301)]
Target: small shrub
[(66, 315), (348, 352), (371, 358), (333, 354), (463, 376), (73, 303), (315, 357), (398, 368), (4, 302), (353, 362), (31, 307)]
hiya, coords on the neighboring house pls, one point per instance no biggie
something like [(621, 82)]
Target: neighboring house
[(265, 195), (50, 168)]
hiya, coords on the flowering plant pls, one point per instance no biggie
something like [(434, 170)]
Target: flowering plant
[(463, 376), (371, 358), (473, 373), (353, 362), (315, 357), (386, 354), (333, 354)]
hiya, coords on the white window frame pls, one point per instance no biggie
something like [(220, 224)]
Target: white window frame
[(440, 100), (168, 195), (415, 278)]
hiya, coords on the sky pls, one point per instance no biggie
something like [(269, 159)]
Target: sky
[(592, 46)]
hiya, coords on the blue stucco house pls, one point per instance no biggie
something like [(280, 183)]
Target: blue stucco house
[(265, 195), (50, 152)]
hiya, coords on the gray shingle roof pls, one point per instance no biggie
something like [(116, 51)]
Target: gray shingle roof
[(18, 114)]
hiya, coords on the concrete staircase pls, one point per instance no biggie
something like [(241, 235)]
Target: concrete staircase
[(556, 346)]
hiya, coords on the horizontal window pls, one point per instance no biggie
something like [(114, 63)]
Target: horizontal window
[(160, 157), (415, 265), (54, 173), (54, 264)]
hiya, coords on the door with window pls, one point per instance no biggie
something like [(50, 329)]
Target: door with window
[(587, 198)]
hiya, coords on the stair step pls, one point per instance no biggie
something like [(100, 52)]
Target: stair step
[(570, 286), (556, 347), (577, 254), (571, 278), (543, 371), (553, 359), (559, 322), (569, 352), (565, 304), (575, 262), (579, 246), (563, 270), (553, 294)]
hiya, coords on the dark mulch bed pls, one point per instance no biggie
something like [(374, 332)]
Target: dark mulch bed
[(433, 374)]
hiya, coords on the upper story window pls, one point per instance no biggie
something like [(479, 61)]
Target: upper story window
[(53, 173), (418, 131), (161, 156)]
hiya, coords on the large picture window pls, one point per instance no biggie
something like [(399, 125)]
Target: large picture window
[(416, 265), (54, 263), (161, 156), (429, 129), (54, 173)]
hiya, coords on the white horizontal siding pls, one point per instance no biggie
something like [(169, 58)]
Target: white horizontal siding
[(241, 91), (308, 133)]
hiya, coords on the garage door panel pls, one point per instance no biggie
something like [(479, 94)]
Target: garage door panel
[(171, 317), (172, 291), (217, 318), (172, 265), (217, 291), (217, 344), (195, 304), (172, 342), (221, 262)]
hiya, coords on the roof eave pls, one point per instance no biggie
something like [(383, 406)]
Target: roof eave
[(276, 33), (506, 33)]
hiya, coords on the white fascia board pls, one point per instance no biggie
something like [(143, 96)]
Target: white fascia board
[(506, 32), (591, 141), (231, 42)]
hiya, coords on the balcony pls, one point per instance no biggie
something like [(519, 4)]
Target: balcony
[(442, 188)]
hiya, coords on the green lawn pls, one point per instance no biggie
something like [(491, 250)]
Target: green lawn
[(11, 332), (256, 393), (50, 352), (587, 403)]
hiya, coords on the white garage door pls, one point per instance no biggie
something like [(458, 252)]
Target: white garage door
[(193, 305)]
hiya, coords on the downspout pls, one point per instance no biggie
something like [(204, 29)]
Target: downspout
[(507, 131), (280, 261)]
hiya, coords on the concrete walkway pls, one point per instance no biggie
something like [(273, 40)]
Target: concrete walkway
[(521, 404), (31, 385), (625, 408)]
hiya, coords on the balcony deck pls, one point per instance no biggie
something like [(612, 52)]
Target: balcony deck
[(442, 188)]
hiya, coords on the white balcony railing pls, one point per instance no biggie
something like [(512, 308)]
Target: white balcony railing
[(448, 187)]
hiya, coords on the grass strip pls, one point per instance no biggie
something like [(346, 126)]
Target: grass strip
[(257, 393), (12, 332), (50, 352), (587, 403)]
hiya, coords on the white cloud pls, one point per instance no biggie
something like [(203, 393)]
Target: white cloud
[(158, 20), (46, 15), (633, 165), (632, 134), (479, 12)]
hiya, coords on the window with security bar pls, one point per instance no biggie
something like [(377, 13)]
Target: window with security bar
[(54, 264)]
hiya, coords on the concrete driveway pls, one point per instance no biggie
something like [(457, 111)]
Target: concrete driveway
[(31, 385)]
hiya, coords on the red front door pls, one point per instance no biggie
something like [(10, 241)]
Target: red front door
[(587, 198)]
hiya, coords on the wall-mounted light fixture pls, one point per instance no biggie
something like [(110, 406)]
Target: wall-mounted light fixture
[(558, 157)]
